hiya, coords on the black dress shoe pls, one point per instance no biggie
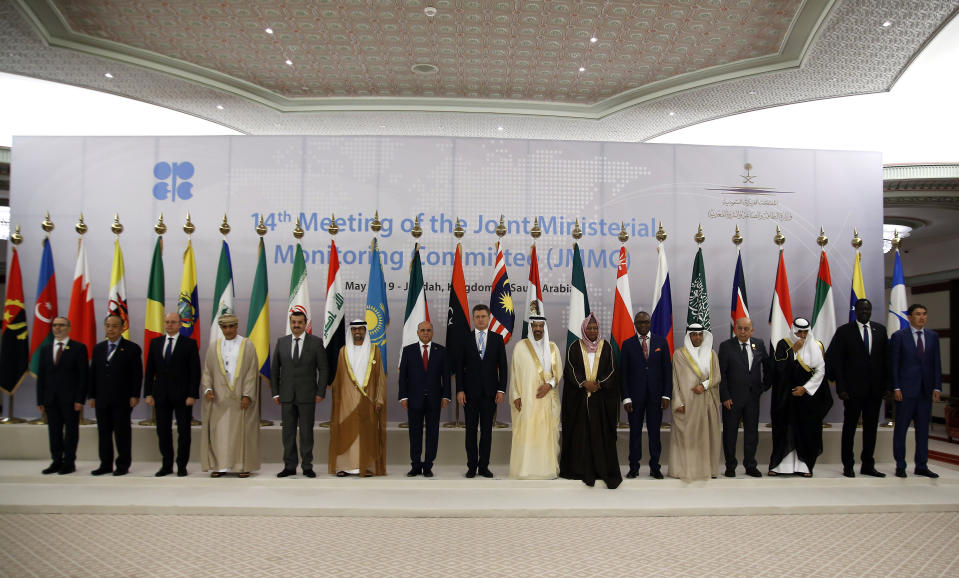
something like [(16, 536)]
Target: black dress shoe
[(67, 469), (754, 473), (486, 473), (900, 472), (309, 473), (590, 483), (632, 473), (848, 472), (926, 472), (414, 472), (181, 472), (102, 470), (163, 472), (121, 471), (427, 473), (286, 473), (656, 474), (52, 468), (871, 472), (471, 473), (730, 472)]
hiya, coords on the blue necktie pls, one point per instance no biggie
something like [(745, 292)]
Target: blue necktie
[(112, 347), (482, 344)]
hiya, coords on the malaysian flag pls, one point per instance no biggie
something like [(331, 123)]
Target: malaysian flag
[(501, 299)]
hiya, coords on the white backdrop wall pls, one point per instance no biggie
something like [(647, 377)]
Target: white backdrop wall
[(601, 184)]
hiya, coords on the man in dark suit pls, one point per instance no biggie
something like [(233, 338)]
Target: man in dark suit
[(481, 378), (647, 382), (424, 391), (61, 389), (299, 371), (746, 370), (116, 372), (858, 361), (172, 386), (916, 382)]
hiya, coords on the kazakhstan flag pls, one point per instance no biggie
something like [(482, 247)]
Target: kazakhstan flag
[(377, 310)]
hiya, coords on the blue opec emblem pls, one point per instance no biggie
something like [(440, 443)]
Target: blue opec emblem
[(174, 179)]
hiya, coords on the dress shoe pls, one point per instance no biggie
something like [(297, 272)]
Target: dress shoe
[(163, 472), (900, 472), (181, 472), (471, 473), (926, 472), (848, 472), (590, 483), (309, 473), (414, 472), (427, 473), (871, 472), (67, 469), (286, 473), (754, 473), (102, 470), (52, 468), (656, 474), (121, 471), (730, 472), (486, 473), (632, 473)]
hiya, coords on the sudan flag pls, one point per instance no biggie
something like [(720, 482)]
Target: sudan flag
[(458, 319), (153, 321), (14, 354)]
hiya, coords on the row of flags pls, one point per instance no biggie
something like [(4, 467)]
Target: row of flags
[(17, 357)]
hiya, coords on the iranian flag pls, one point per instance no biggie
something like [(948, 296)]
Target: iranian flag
[(153, 320), (622, 328), (417, 309), (578, 300), (781, 309), (83, 321), (299, 291), (824, 309)]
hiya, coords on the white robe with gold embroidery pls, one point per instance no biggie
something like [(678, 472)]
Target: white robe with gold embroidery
[(535, 451), (230, 435)]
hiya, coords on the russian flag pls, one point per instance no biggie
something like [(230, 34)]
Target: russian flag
[(662, 319)]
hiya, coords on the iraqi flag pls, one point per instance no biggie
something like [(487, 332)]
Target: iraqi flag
[(417, 309), (579, 302), (739, 307), (661, 321), (781, 309), (46, 306), (502, 314), (897, 317), (334, 333), (824, 308), (83, 321), (457, 317), (622, 328)]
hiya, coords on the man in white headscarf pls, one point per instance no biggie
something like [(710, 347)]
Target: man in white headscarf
[(358, 416), (799, 403), (695, 441), (535, 373)]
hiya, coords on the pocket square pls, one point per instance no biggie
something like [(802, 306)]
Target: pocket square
[(657, 349)]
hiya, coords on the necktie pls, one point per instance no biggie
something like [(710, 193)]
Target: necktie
[(745, 355), (919, 346), (426, 356), (296, 349), (56, 359), (169, 349), (645, 348), (865, 337), (482, 344), (110, 350)]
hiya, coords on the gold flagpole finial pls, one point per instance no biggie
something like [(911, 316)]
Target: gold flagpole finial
[(737, 238), (699, 237), (857, 240), (896, 239), (224, 226), (333, 229), (779, 238), (577, 231), (81, 227), (160, 227), (623, 235), (16, 238), (501, 228), (261, 227), (822, 239), (535, 232), (298, 231), (46, 224), (116, 227), (661, 233), (417, 230), (189, 228), (376, 225), (458, 230)]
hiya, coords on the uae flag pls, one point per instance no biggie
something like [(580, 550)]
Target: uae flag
[(458, 319), (223, 295), (299, 292), (661, 321), (334, 328), (417, 309), (579, 301), (502, 315), (117, 300), (83, 321), (622, 328), (698, 308), (153, 321), (824, 308), (739, 307), (781, 309), (534, 291), (258, 320), (14, 355), (46, 306)]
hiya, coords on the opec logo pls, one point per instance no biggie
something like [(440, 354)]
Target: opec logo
[(174, 180)]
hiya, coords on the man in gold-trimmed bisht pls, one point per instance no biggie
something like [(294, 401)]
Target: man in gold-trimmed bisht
[(590, 410), (358, 418), (696, 440), (534, 375), (230, 434)]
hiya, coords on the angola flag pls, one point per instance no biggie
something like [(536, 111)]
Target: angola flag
[(14, 355)]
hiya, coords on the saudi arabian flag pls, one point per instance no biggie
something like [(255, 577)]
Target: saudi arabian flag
[(824, 309), (299, 291), (578, 300), (698, 311), (222, 293)]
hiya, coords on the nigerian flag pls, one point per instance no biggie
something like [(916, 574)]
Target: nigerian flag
[(578, 300), (698, 311)]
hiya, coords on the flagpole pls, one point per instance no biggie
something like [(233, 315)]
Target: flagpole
[(16, 238), (822, 240), (81, 228), (889, 411), (458, 232), (47, 226), (779, 239), (661, 238), (500, 233), (333, 229), (261, 231)]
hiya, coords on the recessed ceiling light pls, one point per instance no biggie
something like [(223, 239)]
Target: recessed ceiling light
[(268, 30), (382, 126), (499, 128), (424, 68), (582, 69), (289, 62), (594, 40), (886, 24), (219, 107), (108, 75), (671, 113), (752, 92)]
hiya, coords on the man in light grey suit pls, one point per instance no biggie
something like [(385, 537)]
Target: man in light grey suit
[(298, 372)]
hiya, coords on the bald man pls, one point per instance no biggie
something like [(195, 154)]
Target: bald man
[(424, 391)]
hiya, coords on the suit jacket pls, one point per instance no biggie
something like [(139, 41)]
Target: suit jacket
[(118, 379), (914, 376), (299, 381), (642, 378), (174, 381), (64, 383), (417, 382), (856, 372), (485, 376), (740, 383)]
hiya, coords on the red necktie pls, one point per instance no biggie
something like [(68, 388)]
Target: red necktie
[(426, 356), (645, 349), (56, 360)]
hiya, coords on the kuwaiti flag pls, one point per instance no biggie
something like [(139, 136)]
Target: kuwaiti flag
[(153, 320), (898, 308), (299, 291), (13, 341), (258, 321), (739, 307), (223, 296), (824, 308), (534, 292), (781, 309), (117, 300), (377, 309), (188, 301), (661, 322), (83, 319), (417, 308), (858, 290), (622, 327), (502, 315), (579, 301), (697, 310), (457, 317), (46, 307), (334, 334)]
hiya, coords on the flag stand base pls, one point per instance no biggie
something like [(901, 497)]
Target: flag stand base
[(497, 425), (405, 425), (85, 421), (666, 426), (151, 421), (7, 420), (42, 420), (888, 424), (325, 425), (829, 425), (622, 425), (454, 424)]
